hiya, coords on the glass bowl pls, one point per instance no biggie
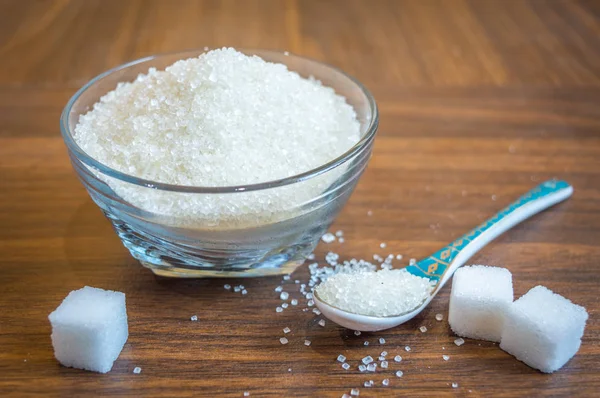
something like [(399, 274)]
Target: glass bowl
[(296, 211)]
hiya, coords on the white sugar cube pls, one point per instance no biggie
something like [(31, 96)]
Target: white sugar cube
[(479, 299), (543, 329), (89, 329)]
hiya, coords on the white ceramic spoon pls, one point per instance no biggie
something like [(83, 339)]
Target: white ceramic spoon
[(440, 266)]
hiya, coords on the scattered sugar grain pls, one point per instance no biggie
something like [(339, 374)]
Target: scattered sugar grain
[(362, 368), (287, 277), (332, 258), (366, 343), (244, 292), (284, 295), (367, 360), (284, 305), (385, 382), (355, 392), (454, 385), (372, 367), (307, 342), (227, 287), (246, 394), (286, 330), (294, 302), (341, 358), (381, 340), (383, 353), (446, 357), (279, 289), (357, 332), (439, 317), (346, 366), (423, 329), (399, 373), (137, 370), (278, 309), (341, 240), (460, 341), (398, 358), (328, 237), (382, 245), (283, 340), (316, 311), (322, 323), (407, 348), (194, 318), (384, 364)]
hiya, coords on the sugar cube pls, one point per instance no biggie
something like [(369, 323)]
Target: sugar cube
[(479, 298), (89, 329), (543, 329)]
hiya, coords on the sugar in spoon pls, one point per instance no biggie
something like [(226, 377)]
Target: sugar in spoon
[(440, 266)]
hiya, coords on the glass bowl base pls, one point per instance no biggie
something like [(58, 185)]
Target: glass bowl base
[(215, 258)]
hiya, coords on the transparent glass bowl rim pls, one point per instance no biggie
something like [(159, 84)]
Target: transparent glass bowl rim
[(109, 171)]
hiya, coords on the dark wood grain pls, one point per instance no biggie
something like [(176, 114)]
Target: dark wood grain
[(477, 99)]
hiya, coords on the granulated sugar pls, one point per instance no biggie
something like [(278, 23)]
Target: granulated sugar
[(381, 293), (221, 119)]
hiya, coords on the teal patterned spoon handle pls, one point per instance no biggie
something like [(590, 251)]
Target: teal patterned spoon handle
[(442, 264)]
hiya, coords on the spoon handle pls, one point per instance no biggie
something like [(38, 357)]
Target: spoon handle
[(441, 265)]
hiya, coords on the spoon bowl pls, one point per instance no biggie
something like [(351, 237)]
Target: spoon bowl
[(440, 266)]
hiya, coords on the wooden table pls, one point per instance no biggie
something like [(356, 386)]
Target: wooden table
[(479, 101)]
